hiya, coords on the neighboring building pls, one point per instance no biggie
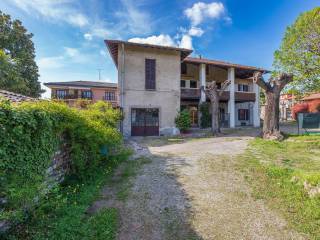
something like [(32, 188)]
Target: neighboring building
[(286, 103), (155, 82), (14, 97), (74, 90), (313, 101)]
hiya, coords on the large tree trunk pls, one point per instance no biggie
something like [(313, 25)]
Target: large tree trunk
[(272, 92), (271, 119), (214, 95)]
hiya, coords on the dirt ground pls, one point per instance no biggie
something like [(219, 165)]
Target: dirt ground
[(192, 189)]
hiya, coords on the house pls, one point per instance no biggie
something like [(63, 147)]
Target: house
[(287, 100), (156, 82), (14, 97), (71, 91), (313, 101)]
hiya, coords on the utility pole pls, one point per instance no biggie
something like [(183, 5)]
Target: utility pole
[(99, 70)]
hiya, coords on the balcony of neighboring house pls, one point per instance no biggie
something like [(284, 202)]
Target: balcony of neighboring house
[(71, 94)]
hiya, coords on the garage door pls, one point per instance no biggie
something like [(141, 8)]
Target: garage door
[(145, 122)]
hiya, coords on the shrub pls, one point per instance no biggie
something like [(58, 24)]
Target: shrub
[(205, 120), (30, 135), (183, 120)]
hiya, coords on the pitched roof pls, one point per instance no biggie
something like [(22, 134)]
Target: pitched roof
[(113, 46), (223, 64), (14, 97), (312, 96), (82, 84)]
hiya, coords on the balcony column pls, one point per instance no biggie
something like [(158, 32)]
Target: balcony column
[(231, 102), (202, 78), (256, 106)]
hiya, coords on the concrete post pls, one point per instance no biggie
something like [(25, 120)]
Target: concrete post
[(256, 106), (202, 78), (231, 102)]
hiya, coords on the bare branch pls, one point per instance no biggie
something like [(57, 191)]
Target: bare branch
[(224, 86), (258, 79)]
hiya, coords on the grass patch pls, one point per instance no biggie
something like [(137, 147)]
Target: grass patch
[(278, 172), (63, 214)]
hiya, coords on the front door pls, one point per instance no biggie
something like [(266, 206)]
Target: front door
[(144, 122)]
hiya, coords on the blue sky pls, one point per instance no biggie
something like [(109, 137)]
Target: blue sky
[(69, 34)]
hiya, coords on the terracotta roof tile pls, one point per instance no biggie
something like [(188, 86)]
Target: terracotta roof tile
[(83, 84), (14, 97), (312, 96)]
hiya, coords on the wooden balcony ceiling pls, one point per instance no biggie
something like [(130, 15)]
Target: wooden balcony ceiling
[(241, 71)]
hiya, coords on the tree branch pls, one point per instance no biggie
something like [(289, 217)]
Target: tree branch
[(258, 79), (224, 86)]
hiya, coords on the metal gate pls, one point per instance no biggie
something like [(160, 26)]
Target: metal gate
[(144, 122)]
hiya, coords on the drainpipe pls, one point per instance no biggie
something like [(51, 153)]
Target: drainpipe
[(121, 79)]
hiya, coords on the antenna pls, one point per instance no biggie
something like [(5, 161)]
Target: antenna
[(99, 71)]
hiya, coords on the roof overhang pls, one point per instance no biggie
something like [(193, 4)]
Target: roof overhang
[(113, 46), (241, 71)]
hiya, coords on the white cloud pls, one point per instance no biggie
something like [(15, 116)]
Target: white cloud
[(71, 52), (134, 19), (195, 31), (50, 62), (88, 36), (200, 11), (186, 42), (164, 40), (57, 10)]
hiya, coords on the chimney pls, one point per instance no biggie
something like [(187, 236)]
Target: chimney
[(200, 56)]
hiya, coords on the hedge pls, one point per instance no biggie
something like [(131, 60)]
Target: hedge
[(31, 134)]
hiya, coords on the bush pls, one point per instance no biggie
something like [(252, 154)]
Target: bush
[(183, 120), (30, 135), (205, 121)]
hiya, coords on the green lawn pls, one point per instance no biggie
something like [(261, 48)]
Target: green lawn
[(279, 173)]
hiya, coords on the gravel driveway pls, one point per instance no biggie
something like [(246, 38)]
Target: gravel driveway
[(192, 189)]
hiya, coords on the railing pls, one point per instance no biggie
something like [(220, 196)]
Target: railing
[(109, 99), (190, 93), (70, 97)]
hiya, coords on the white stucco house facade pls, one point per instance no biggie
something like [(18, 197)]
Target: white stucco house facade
[(156, 82)]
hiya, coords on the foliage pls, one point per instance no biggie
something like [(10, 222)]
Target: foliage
[(16, 43), (299, 52), (30, 134), (183, 120), (63, 213), (205, 121), (278, 172)]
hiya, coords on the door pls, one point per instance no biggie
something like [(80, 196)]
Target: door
[(144, 122)]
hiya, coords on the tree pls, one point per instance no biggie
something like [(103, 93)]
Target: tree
[(272, 90), (214, 94), (16, 43), (183, 120), (10, 78), (299, 53)]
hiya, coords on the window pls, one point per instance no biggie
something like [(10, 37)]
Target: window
[(183, 68), (150, 72), (110, 96), (219, 85), (183, 83), (243, 114), (61, 94), (193, 84), (86, 94), (243, 88)]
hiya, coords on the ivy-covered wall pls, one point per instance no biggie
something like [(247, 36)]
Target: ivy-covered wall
[(32, 133)]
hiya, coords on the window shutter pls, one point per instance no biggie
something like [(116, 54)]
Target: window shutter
[(150, 71)]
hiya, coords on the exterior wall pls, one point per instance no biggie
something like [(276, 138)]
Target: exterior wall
[(244, 105), (166, 97), (98, 94)]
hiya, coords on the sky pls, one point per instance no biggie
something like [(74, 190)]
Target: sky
[(69, 34)]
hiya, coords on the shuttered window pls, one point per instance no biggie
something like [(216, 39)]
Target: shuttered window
[(150, 69)]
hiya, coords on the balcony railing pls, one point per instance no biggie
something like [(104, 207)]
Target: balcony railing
[(70, 97), (194, 94)]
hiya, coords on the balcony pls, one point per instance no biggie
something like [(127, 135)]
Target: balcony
[(70, 97), (194, 94)]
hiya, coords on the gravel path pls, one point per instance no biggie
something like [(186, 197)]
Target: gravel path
[(193, 190)]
